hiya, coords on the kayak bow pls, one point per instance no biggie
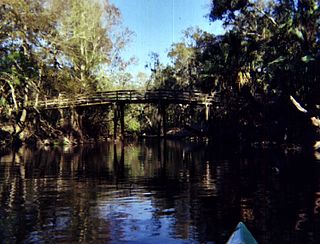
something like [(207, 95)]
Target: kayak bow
[(241, 235)]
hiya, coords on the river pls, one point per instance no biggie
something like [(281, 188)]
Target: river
[(157, 192)]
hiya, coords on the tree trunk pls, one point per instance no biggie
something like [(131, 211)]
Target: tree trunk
[(76, 123), (314, 122)]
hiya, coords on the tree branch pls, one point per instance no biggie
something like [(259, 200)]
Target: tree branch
[(314, 120), (266, 15), (12, 90), (297, 105)]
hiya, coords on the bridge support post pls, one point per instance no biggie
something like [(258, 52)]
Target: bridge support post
[(115, 121), (118, 164), (118, 113), (121, 110), (62, 117), (162, 124), (207, 112)]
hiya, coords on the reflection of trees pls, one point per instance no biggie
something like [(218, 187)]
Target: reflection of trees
[(276, 194), (193, 188), (174, 172), (58, 194), (211, 196), (42, 204)]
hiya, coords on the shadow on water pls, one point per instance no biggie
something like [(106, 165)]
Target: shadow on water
[(155, 192)]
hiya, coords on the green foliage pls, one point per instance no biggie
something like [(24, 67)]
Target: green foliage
[(132, 118), (226, 8), (89, 42), (22, 53), (307, 59), (269, 52), (49, 47), (132, 124), (273, 41)]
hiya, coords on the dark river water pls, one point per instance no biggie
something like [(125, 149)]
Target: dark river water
[(157, 192)]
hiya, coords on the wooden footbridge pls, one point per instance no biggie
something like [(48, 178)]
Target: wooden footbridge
[(126, 97), (119, 98)]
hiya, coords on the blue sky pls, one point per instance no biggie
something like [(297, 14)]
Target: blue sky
[(159, 23)]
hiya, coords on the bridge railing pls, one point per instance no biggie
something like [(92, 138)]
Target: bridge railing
[(129, 96)]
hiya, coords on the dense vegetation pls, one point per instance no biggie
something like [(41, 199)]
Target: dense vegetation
[(268, 54), (52, 47)]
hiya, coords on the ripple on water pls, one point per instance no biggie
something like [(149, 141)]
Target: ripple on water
[(152, 195)]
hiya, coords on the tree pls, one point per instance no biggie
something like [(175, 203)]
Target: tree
[(48, 47), (278, 40), (24, 28), (271, 47), (88, 40)]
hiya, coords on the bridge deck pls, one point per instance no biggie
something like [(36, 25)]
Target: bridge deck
[(128, 97)]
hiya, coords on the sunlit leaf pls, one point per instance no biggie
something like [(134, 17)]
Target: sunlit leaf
[(278, 60), (3, 101), (243, 78), (297, 33), (307, 58), (282, 25), (16, 81)]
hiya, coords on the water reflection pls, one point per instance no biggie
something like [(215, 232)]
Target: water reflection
[(156, 192)]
